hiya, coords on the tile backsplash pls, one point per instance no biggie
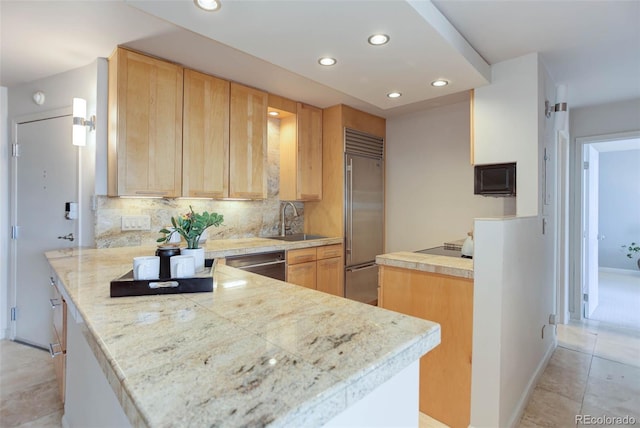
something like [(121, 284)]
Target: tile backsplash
[(242, 219)]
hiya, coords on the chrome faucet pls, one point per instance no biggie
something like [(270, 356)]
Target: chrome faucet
[(284, 208)]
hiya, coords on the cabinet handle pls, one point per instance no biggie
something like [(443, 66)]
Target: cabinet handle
[(54, 304), (309, 196), (54, 353), (207, 194), (246, 195), (53, 281), (149, 192)]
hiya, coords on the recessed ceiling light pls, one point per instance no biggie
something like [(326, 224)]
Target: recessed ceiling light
[(274, 113), (439, 82), (394, 94), (208, 5), (378, 39), (325, 60)]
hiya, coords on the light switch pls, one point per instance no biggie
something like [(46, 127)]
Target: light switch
[(135, 222)]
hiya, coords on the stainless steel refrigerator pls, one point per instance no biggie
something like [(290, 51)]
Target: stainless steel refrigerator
[(364, 211)]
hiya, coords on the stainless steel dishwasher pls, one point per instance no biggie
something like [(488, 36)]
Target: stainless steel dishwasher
[(271, 264)]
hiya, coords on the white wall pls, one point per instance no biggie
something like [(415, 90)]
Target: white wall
[(605, 119), (429, 180), (514, 260), (506, 125), (619, 207), (512, 303), (4, 212)]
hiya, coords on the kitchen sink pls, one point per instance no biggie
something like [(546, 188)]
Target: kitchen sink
[(296, 237)]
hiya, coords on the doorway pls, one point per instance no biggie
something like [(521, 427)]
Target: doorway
[(609, 287), (44, 178)]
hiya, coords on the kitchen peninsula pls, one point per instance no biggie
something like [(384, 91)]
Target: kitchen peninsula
[(438, 288), (254, 352)]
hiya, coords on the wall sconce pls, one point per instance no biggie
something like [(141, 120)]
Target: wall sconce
[(79, 136)]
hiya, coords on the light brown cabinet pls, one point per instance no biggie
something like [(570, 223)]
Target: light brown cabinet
[(224, 126), (247, 143), (326, 216), (301, 154), (205, 146), (319, 268), (445, 372), (145, 126), (58, 349), (303, 274)]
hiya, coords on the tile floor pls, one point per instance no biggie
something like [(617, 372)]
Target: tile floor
[(594, 371), (28, 388)]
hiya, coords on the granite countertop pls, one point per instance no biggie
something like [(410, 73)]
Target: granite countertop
[(255, 351), (232, 247), (445, 265)]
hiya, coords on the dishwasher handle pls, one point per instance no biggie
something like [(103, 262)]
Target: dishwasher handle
[(261, 264)]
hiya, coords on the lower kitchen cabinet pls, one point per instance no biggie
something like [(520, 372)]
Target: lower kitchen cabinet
[(319, 268), (445, 372), (58, 349), (330, 276), (303, 274)]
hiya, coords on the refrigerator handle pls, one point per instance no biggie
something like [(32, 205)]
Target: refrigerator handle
[(350, 207), (361, 267)]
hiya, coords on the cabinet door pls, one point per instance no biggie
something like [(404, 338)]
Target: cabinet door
[(330, 276), (445, 373), (309, 181), (303, 274), (248, 143), (145, 126), (205, 147)]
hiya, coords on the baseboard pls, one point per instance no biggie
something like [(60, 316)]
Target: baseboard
[(626, 272), (64, 422), (524, 399)]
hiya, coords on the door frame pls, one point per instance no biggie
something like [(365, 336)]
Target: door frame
[(562, 225), (577, 188), (13, 203)]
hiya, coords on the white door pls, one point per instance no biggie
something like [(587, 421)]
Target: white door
[(44, 177), (591, 192)]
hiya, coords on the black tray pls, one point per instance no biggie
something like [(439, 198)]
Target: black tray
[(127, 286)]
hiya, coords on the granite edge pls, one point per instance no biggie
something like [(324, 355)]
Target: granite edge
[(424, 263)]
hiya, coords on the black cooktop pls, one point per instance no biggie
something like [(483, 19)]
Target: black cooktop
[(442, 251)]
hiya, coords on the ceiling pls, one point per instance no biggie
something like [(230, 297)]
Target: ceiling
[(591, 46)]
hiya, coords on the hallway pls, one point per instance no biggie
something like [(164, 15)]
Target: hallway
[(619, 298), (594, 372)]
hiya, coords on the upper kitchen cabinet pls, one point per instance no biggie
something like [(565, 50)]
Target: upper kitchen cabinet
[(145, 126), (248, 143), (301, 154), (327, 216), (205, 136)]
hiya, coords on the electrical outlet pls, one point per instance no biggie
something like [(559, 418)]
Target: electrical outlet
[(135, 222)]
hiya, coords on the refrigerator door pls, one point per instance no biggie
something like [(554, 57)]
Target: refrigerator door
[(361, 283), (364, 209)]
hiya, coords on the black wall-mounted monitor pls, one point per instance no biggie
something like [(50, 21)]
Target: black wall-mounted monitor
[(495, 179)]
